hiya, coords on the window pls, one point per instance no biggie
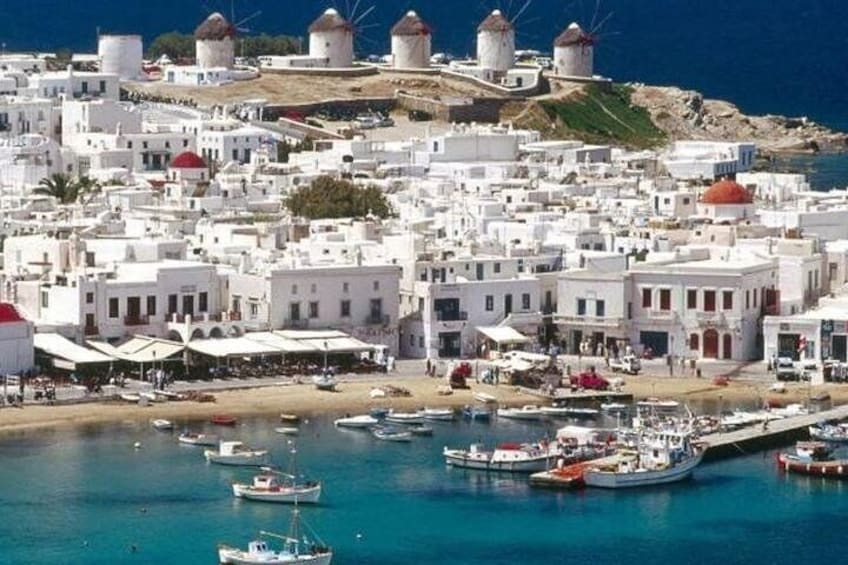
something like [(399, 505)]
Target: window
[(629, 310), (525, 301), (45, 300), (691, 299), (600, 308), (376, 286), (313, 310), (235, 154), (345, 287), (665, 299), (294, 311), (294, 289), (313, 288), (694, 344), (89, 298), (497, 267), (151, 305), (102, 86), (490, 303), (646, 298), (129, 144), (755, 298), (581, 306), (376, 309), (747, 299), (172, 304), (113, 307), (203, 302), (254, 310), (709, 301), (345, 312), (411, 340), (421, 341), (727, 300)]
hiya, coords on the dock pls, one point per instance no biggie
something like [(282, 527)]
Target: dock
[(778, 433), (565, 395)]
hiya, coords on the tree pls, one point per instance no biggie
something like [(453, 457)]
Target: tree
[(173, 44), (327, 197), (67, 189), (181, 45)]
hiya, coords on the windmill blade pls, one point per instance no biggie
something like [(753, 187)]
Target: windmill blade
[(364, 14), (252, 16), (521, 11), (601, 24), (595, 15)]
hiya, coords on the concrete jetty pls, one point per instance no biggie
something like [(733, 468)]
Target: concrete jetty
[(778, 433)]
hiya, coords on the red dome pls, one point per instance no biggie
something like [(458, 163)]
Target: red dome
[(8, 313), (188, 160), (727, 192)]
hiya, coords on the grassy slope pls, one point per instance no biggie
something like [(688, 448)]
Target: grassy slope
[(600, 115)]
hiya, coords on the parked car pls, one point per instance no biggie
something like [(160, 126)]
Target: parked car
[(589, 380), (628, 364)]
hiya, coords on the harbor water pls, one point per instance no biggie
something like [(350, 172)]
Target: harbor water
[(87, 496)]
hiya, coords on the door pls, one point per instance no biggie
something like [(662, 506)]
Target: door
[(133, 307), (711, 344), (479, 267), (507, 304), (576, 338), (450, 344), (657, 341), (727, 346), (188, 304), (838, 347), (787, 346)]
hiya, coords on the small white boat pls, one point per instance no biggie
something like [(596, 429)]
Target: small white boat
[(790, 410), (325, 382), (410, 418), (236, 453), (568, 412), (614, 408), (268, 487), (130, 397), (149, 396), (167, 394), (287, 430), (529, 412), (297, 549), (160, 424), (833, 432), (421, 430), (484, 398), (391, 434), (188, 438), (509, 457), (440, 414), (363, 421)]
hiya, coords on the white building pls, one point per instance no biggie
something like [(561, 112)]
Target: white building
[(331, 39), (411, 42), (215, 43), (21, 115), (73, 84), (16, 349), (120, 55), (574, 52), (708, 160), (496, 43)]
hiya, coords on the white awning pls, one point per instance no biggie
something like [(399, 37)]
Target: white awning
[(339, 345), (61, 347), (310, 334), (231, 347), (503, 335), (140, 349), (283, 344)]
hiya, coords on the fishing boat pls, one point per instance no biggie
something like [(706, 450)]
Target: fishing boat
[(438, 414), (387, 433), (421, 430), (236, 453), (510, 457), (274, 486), (297, 549), (223, 420), (661, 456), (481, 413), (162, 425), (835, 433), (325, 382), (813, 458), (484, 398), (189, 438), (614, 408), (529, 412), (287, 430), (568, 412), (358, 422), (408, 418)]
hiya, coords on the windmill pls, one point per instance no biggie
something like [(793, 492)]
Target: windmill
[(574, 48)]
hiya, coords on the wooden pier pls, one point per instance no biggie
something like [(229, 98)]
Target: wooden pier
[(778, 433), (565, 395)]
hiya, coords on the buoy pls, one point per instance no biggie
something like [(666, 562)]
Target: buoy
[(137, 445)]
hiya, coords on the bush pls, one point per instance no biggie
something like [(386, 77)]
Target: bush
[(327, 197)]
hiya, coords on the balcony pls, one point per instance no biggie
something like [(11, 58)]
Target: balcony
[(662, 315), (136, 320), (378, 320), (451, 316), (589, 321), (710, 318)]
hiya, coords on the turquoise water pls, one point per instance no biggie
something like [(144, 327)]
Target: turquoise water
[(87, 496)]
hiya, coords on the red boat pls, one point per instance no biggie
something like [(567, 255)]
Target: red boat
[(812, 458), (223, 420)]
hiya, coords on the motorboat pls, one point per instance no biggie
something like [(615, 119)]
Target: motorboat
[(408, 418), (485, 398), (832, 432), (813, 458), (379, 413), (657, 405), (387, 433), (272, 486), (162, 425), (438, 414), (510, 457), (661, 456), (614, 408), (359, 422), (236, 453), (325, 382), (568, 412), (297, 549), (480, 413), (189, 438), (223, 420), (287, 430), (529, 412), (421, 430)]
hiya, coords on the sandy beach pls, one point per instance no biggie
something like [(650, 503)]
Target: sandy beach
[(353, 397)]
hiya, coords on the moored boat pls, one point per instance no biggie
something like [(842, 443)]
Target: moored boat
[(130, 397), (236, 453), (824, 431), (528, 412), (287, 430), (568, 412), (387, 433), (614, 408), (272, 486), (163, 425), (480, 413), (438, 414), (485, 398), (358, 422), (206, 440), (289, 418), (421, 430), (409, 418), (325, 382), (813, 458), (510, 457), (223, 420)]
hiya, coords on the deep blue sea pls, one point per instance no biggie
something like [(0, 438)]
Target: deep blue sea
[(87, 496)]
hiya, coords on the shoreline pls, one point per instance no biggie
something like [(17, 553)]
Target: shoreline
[(353, 397)]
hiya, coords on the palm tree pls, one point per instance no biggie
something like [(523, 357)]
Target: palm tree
[(87, 189), (60, 186)]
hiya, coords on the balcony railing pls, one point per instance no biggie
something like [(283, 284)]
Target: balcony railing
[(378, 320), (136, 320), (451, 316)]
